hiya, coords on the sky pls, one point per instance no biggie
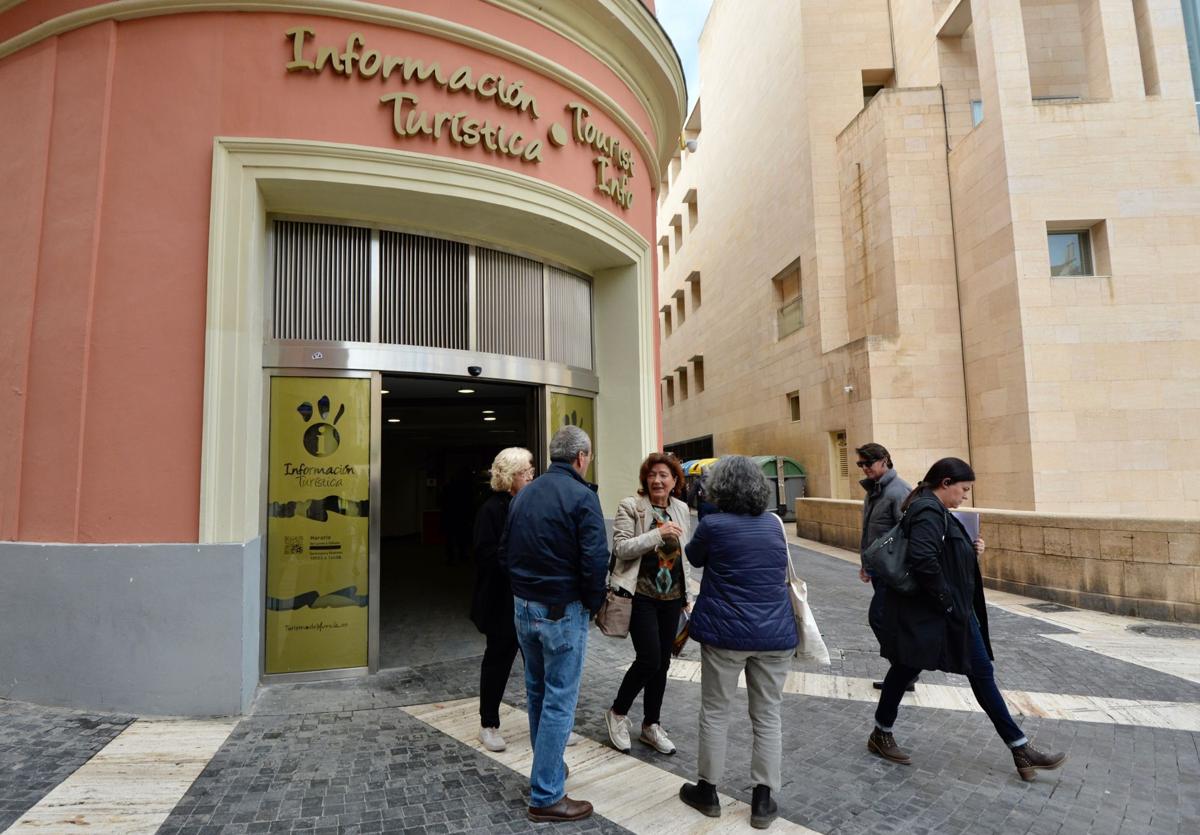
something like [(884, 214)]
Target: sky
[(683, 20)]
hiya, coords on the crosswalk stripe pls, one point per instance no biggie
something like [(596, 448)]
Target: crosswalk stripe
[(132, 784), (633, 794), (1182, 716)]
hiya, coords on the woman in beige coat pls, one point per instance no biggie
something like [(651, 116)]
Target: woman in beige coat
[(649, 533)]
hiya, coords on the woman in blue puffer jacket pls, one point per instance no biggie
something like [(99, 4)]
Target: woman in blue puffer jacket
[(743, 621)]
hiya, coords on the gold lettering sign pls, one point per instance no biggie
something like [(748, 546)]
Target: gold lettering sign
[(613, 165)]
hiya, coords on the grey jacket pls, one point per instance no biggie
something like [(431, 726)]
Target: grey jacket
[(881, 507), (634, 534)]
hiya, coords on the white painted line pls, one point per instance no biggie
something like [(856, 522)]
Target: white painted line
[(633, 794), (1184, 716), (132, 784)]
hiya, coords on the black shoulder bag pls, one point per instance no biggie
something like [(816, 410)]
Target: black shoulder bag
[(886, 559)]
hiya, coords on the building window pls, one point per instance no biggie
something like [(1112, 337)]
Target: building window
[(683, 382), (789, 300), (680, 308), (694, 280), (698, 373), (793, 399), (693, 209), (1191, 26), (669, 390), (666, 314), (839, 465), (1070, 253), (976, 112)]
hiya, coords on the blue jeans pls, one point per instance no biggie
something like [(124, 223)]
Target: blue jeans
[(553, 651), (983, 685)]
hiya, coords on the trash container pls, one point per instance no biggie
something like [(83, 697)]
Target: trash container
[(788, 477)]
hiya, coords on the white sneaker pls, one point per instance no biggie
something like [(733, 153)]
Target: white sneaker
[(618, 730), (491, 739), (573, 739), (657, 738)]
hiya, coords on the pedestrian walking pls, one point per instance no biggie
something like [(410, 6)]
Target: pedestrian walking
[(556, 555), (492, 601), (649, 533), (744, 622), (886, 492), (944, 625)]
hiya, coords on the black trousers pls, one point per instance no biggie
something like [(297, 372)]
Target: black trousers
[(498, 657), (652, 626)]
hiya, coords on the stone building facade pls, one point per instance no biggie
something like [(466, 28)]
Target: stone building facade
[(955, 228)]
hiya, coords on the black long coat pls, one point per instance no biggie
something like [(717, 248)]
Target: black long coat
[(492, 600), (917, 630)]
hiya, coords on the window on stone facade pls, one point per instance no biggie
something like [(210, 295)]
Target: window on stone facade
[(683, 382), (666, 314), (698, 373), (669, 391), (789, 299), (1070, 253), (1191, 26), (793, 399), (976, 112), (693, 279)]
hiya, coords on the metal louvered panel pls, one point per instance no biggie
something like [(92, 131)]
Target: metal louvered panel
[(424, 291), (322, 282), (510, 304), (569, 318)]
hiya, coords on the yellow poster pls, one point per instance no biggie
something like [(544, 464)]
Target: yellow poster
[(572, 409), (318, 524)]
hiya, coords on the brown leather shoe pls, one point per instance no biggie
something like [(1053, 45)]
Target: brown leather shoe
[(1029, 760), (564, 810), (884, 744)]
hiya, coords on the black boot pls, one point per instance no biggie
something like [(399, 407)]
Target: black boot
[(1029, 760), (702, 797), (763, 809)]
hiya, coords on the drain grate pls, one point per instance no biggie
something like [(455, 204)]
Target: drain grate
[(1179, 633), (1049, 607)]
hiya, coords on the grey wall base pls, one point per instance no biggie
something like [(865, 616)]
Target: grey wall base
[(141, 629)]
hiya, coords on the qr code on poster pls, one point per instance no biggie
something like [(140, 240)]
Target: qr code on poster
[(293, 545)]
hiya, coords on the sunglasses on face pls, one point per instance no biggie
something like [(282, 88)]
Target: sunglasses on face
[(864, 465)]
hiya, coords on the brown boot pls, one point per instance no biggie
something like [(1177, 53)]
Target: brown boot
[(564, 810), (884, 744), (1029, 760)]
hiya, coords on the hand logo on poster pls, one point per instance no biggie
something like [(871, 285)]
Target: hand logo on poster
[(571, 420), (321, 439)]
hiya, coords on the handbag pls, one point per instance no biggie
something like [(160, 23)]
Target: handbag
[(886, 560), (681, 632), (811, 646), (613, 617)]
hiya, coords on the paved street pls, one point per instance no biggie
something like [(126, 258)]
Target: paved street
[(396, 752)]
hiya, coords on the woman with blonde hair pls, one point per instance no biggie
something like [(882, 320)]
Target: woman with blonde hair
[(492, 603)]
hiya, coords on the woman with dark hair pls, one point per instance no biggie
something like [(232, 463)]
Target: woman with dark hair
[(944, 625), (743, 622), (649, 533)]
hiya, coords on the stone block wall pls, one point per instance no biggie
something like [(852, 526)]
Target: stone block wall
[(1129, 566)]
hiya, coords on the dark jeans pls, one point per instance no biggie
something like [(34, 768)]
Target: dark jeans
[(875, 610), (983, 685), (498, 659), (652, 626)]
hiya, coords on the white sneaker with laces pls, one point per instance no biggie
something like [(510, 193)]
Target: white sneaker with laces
[(657, 738), (573, 739), (618, 730), (491, 739)]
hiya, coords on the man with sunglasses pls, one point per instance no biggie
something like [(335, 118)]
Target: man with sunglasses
[(886, 491)]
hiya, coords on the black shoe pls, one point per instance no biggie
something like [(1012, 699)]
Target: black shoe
[(702, 797), (912, 686), (763, 810)]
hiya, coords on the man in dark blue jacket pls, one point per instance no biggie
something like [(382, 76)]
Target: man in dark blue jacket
[(556, 552)]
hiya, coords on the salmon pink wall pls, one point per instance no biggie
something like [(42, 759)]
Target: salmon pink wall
[(104, 232)]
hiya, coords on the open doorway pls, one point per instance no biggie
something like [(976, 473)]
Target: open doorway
[(439, 436)]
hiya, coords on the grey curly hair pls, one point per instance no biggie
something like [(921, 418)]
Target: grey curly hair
[(737, 485)]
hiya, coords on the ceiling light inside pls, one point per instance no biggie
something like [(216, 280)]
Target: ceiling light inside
[(393, 420), (384, 391), (466, 391), (489, 418), (489, 411)]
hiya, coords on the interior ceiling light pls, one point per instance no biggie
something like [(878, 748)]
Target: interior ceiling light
[(489, 411), (489, 418), (466, 391), (393, 420), (384, 391)]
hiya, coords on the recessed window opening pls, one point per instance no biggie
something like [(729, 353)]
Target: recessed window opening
[(698, 373), (680, 307), (789, 300), (683, 382), (1064, 44), (694, 280), (669, 384), (976, 112), (1070, 253), (666, 314), (793, 398)]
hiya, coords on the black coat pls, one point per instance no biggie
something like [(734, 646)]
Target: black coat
[(930, 629), (492, 601)]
